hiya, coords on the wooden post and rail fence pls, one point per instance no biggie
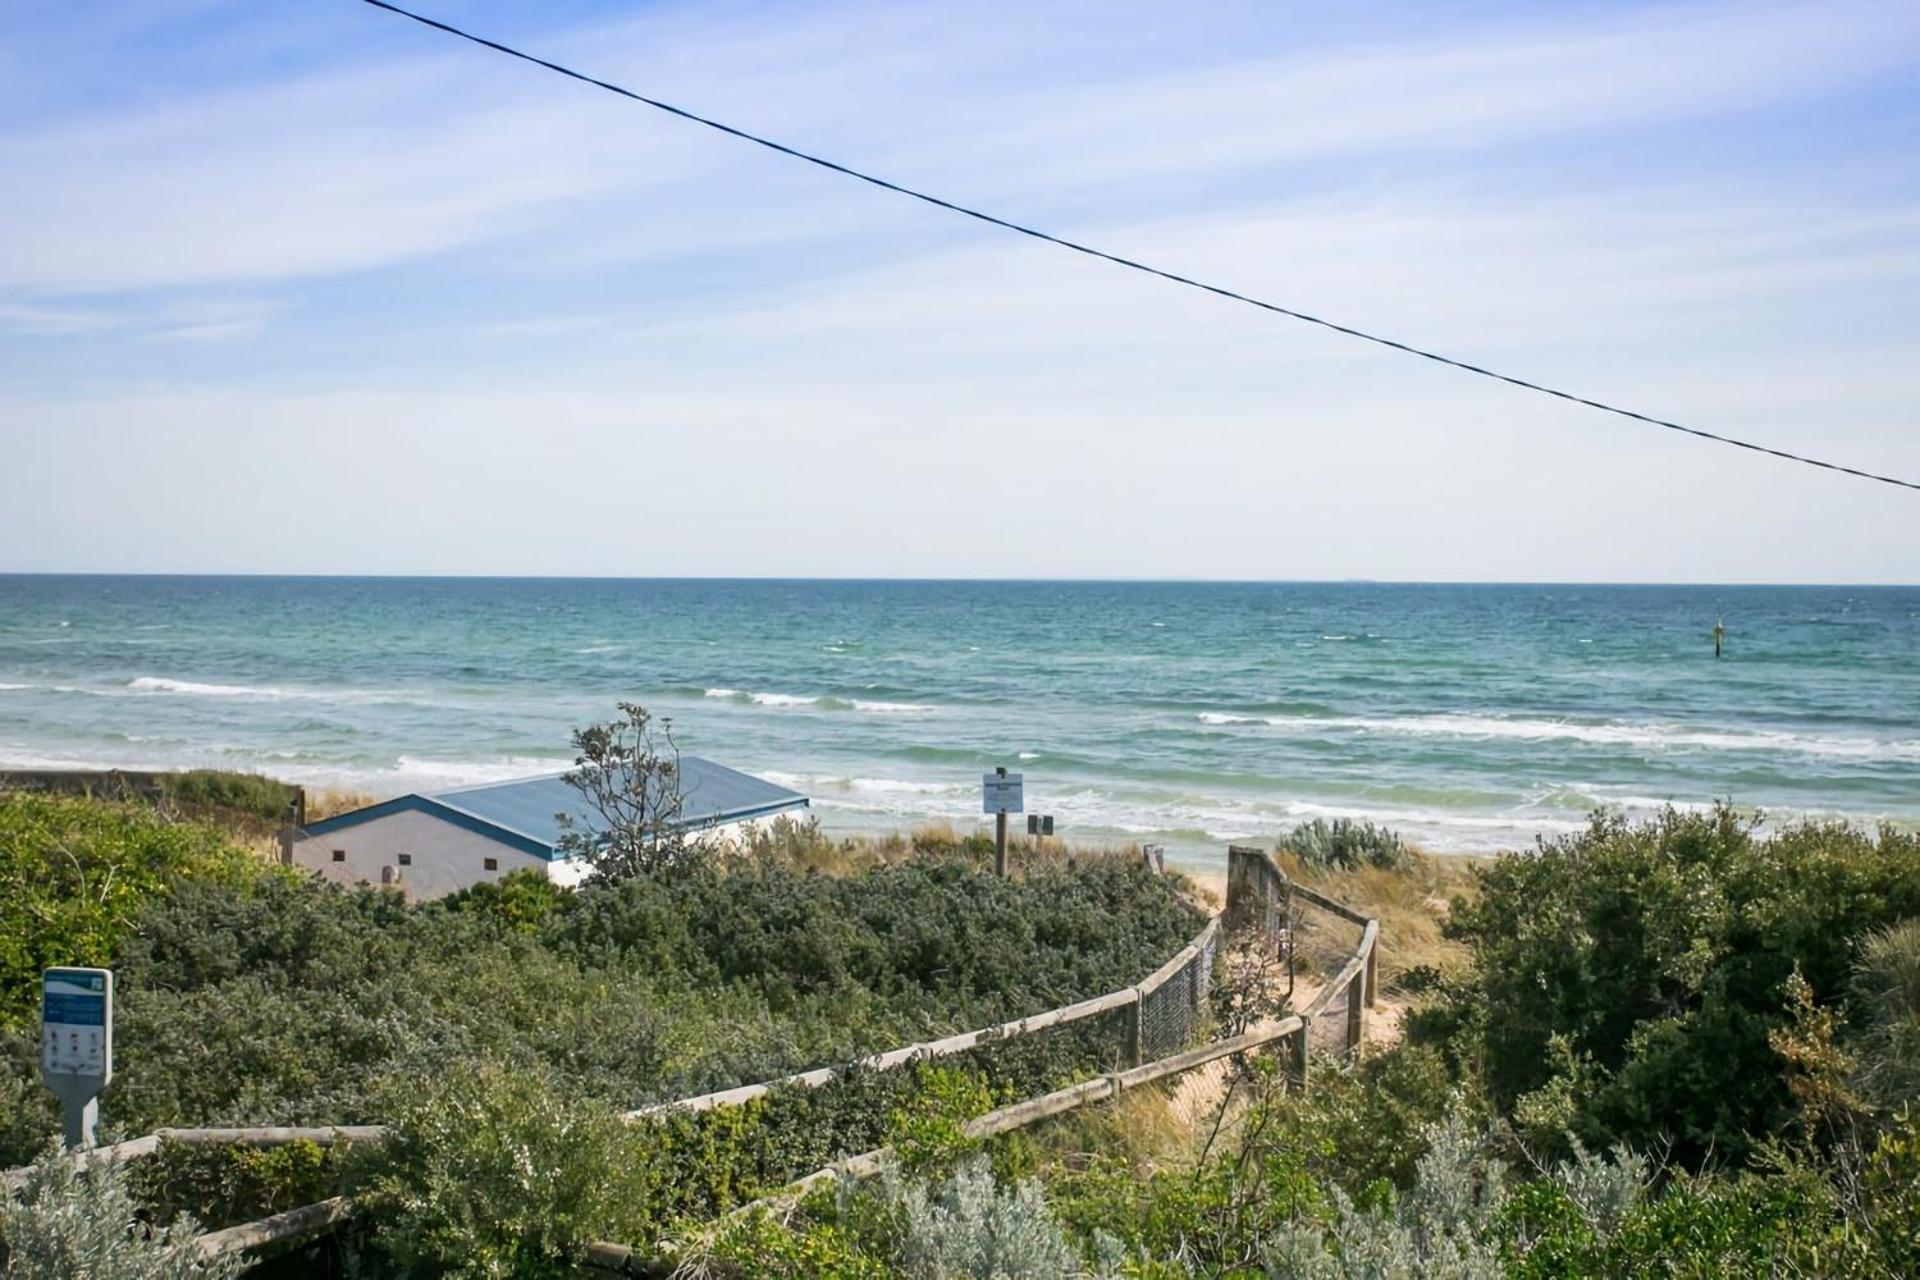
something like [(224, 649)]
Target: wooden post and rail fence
[(1158, 1015)]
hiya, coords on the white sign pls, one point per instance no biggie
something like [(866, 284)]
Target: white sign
[(76, 1023), (1001, 793)]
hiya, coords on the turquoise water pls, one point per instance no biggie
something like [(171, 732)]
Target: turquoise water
[(1471, 717)]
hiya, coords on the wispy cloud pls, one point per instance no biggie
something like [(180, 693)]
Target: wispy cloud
[(513, 290), (58, 322)]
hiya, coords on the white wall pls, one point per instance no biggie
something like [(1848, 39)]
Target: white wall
[(571, 871), (446, 857)]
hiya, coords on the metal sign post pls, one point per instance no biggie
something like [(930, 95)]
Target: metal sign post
[(1001, 793), (76, 1045)]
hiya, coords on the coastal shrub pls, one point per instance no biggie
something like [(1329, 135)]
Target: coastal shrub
[(891, 930), (223, 791), (523, 901), (69, 1223), (75, 874), (1626, 982), (753, 1246), (490, 1171), (930, 1131), (1344, 843), (220, 1185), (1889, 1192)]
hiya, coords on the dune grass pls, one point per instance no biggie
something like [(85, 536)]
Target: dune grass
[(1411, 901)]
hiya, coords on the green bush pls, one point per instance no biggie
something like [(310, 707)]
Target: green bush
[(76, 873), (490, 1172), (1626, 981), (220, 790), (222, 1185), (1344, 843)]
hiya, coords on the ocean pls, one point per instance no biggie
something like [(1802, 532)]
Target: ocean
[(1471, 718)]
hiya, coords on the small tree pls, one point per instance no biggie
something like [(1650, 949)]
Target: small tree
[(628, 771)]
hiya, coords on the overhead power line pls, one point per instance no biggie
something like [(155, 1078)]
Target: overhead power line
[(1133, 265)]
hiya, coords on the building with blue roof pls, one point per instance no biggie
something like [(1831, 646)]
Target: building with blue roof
[(432, 844)]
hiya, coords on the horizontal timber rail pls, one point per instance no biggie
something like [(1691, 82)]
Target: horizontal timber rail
[(279, 1230), (271, 1136)]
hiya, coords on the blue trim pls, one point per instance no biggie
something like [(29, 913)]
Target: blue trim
[(748, 815), (503, 835), (433, 808)]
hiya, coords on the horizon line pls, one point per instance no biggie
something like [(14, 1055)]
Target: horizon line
[(973, 580)]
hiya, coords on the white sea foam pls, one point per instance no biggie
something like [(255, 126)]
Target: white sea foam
[(463, 773), (789, 700), (599, 648), (781, 700), (160, 684), (10, 687), (762, 699), (13, 756), (1654, 737), (899, 786)]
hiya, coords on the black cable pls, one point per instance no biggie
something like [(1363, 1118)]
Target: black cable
[(1116, 259)]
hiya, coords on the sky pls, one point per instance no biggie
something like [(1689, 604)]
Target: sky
[(309, 288)]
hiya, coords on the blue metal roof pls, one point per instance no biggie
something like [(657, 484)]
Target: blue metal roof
[(524, 813)]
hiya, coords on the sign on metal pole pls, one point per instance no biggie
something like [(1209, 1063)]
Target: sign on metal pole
[(1001, 793), (76, 1044)]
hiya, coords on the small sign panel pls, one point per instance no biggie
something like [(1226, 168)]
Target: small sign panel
[(1001, 793), (76, 1023)]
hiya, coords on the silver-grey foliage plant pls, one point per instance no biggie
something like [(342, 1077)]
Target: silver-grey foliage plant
[(968, 1229), (71, 1222), (1445, 1226)]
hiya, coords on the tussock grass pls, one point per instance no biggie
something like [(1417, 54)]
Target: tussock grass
[(328, 802), (1411, 903), (801, 843)]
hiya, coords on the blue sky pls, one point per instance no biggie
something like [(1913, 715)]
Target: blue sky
[(308, 288)]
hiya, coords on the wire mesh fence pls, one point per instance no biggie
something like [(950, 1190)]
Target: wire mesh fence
[(1172, 1011)]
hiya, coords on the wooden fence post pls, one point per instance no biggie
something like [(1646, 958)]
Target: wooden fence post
[(1136, 1051), (1373, 990), (1300, 1055), (1356, 1012)]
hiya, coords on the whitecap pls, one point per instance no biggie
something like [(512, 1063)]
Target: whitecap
[(464, 773), (780, 700), (1646, 736), (160, 684)]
